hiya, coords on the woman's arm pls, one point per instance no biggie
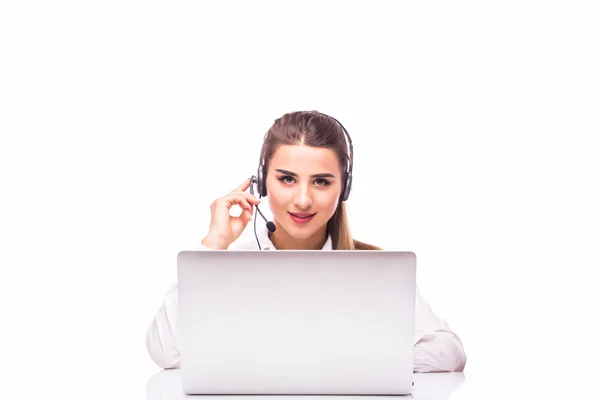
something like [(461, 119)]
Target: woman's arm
[(437, 348), (161, 336)]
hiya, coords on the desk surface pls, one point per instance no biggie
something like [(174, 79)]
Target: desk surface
[(166, 385)]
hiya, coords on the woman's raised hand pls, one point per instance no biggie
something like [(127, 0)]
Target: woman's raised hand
[(225, 229)]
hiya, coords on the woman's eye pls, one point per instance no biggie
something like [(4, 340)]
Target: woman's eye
[(322, 182), (318, 182)]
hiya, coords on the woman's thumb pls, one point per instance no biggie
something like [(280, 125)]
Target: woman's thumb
[(246, 216)]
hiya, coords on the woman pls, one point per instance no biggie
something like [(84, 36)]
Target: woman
[(305, 171)]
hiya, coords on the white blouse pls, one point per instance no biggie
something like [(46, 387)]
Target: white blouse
[(437, 348)]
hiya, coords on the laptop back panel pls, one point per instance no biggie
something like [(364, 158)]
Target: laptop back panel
[(296, 322)]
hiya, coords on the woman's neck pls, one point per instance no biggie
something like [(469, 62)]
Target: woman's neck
[(283, 241)]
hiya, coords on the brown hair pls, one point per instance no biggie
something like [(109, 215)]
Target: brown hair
[(315, 129)]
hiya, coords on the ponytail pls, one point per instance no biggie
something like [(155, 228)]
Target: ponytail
[(339, 229)]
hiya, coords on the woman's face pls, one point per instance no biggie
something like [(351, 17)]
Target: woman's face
[(303, 180)]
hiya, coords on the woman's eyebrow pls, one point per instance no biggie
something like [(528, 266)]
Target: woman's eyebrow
[(324, 175)]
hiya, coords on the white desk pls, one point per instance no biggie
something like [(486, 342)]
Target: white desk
[(166, 385)]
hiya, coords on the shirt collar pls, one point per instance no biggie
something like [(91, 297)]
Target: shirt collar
[(266, 244)]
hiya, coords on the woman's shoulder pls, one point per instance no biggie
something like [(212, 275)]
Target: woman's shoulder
[(243, 244), (248, 240)]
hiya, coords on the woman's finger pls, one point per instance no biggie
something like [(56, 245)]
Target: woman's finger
[(239, 223), (250, 197), (236, 198), (246, 216)]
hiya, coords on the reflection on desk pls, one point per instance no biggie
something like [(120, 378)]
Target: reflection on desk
[(166, 385)]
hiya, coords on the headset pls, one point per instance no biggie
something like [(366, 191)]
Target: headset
[(260, 179)]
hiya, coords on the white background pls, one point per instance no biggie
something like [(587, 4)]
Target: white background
[(475, 127)]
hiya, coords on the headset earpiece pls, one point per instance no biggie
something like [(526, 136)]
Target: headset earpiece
[(347, 187), (260, 182), (348, 174)]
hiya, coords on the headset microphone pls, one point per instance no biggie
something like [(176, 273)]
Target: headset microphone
[(270, 225)]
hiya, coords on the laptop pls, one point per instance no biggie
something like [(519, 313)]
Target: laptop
[(296, 322)]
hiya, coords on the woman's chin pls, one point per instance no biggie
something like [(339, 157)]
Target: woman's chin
[(301, 231), (297, 233)]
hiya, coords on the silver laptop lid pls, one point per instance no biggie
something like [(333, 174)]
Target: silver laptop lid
[(296, 322)]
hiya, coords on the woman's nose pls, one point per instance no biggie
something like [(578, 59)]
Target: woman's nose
[(303, 200)]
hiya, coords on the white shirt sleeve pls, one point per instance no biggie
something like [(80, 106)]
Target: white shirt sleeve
[(437, 348), (161, 336)]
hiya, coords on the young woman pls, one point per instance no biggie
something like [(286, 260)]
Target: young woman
[(305, 171)]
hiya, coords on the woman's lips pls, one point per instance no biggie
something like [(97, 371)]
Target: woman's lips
[(301, 218)]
